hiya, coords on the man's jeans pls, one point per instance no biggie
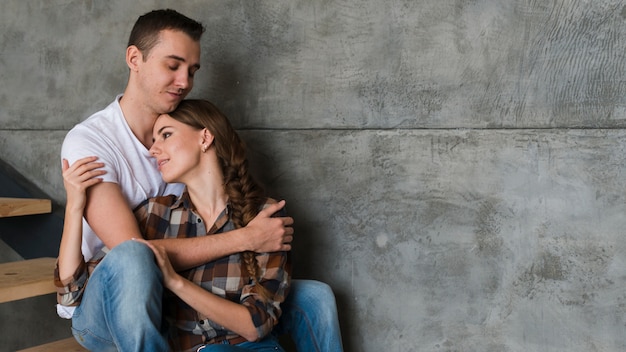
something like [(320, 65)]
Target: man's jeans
[(121, 307)]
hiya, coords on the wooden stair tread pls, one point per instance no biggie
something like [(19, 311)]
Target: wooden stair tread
[(26, 278), (65, 345), (24, 206)]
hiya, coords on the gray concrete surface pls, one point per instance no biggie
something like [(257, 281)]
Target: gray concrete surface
[(456, 168)]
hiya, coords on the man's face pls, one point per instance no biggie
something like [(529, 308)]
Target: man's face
[(166, 74)]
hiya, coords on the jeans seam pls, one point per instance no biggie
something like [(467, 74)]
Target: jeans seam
[(309, 327)]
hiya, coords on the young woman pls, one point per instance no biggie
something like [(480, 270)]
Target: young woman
[(230, 304)]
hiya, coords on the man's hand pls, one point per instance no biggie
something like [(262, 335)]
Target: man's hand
[(268, 234)]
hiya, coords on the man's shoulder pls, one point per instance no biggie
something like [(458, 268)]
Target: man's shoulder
[(103, 128), (107, 118), (88, 133)]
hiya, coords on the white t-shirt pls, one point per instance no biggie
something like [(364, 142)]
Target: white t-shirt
[(128, 163)]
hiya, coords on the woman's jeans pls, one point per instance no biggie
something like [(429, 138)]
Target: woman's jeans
[(121, 308), (310, 317), (268, 344)]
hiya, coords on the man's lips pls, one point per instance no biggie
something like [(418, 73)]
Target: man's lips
[(176, 95), (177, 92)]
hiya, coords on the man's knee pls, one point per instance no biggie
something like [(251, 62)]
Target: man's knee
[(132, 261), (130, 253), (130, 250)]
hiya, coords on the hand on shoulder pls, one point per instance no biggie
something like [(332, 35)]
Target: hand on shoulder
[(78, 177)]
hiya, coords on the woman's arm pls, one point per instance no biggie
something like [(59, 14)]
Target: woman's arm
[(231, 315), (276, 279), (264, 302), (253, 318), (76, 179)]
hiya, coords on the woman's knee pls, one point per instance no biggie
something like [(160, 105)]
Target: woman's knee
[(313, 297), (313, 290)]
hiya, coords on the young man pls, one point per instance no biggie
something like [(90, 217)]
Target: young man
[(121, 307)]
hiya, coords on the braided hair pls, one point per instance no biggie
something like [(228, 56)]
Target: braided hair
[(246, 197)]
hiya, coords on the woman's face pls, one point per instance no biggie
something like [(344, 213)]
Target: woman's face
[(177, 148)]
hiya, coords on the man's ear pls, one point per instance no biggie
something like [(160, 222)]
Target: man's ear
[(133, 57)]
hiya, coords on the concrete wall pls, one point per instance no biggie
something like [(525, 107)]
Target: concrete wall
[(456, 168)]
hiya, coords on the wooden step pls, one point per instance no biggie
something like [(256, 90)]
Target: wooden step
[(30, 278), (26, 278), (66, 345), (24, 206)]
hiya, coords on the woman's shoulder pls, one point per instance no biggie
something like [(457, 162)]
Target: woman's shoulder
[(166, 201), (169, 199)]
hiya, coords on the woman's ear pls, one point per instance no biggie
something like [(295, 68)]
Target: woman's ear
[(207, 137), (133, 57)]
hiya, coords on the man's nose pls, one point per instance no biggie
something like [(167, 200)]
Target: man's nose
[(183, 81)]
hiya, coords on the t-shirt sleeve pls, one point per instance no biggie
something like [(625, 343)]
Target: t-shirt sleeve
[(81, 142)]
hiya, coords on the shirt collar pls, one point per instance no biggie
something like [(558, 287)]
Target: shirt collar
[(184, 201)]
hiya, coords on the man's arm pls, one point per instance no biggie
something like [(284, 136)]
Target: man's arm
[(109, 215), (112, 220), (263, 234)]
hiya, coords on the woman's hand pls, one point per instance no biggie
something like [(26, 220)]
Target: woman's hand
[(231, 315), (78, 177), (170, 277)]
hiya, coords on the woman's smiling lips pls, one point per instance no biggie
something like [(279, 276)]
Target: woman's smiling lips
[(161, 162)]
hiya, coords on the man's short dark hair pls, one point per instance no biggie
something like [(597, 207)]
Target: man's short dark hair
[(145, 32)]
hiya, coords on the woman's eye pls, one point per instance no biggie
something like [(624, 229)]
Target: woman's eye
[(166, 135)]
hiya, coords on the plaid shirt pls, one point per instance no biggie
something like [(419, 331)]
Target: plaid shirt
[(70, 291), (172, 217), (169, 217)]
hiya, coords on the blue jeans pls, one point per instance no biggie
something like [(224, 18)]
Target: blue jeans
[(310, 317), (121, 305), (121, 308), (268, 344)]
